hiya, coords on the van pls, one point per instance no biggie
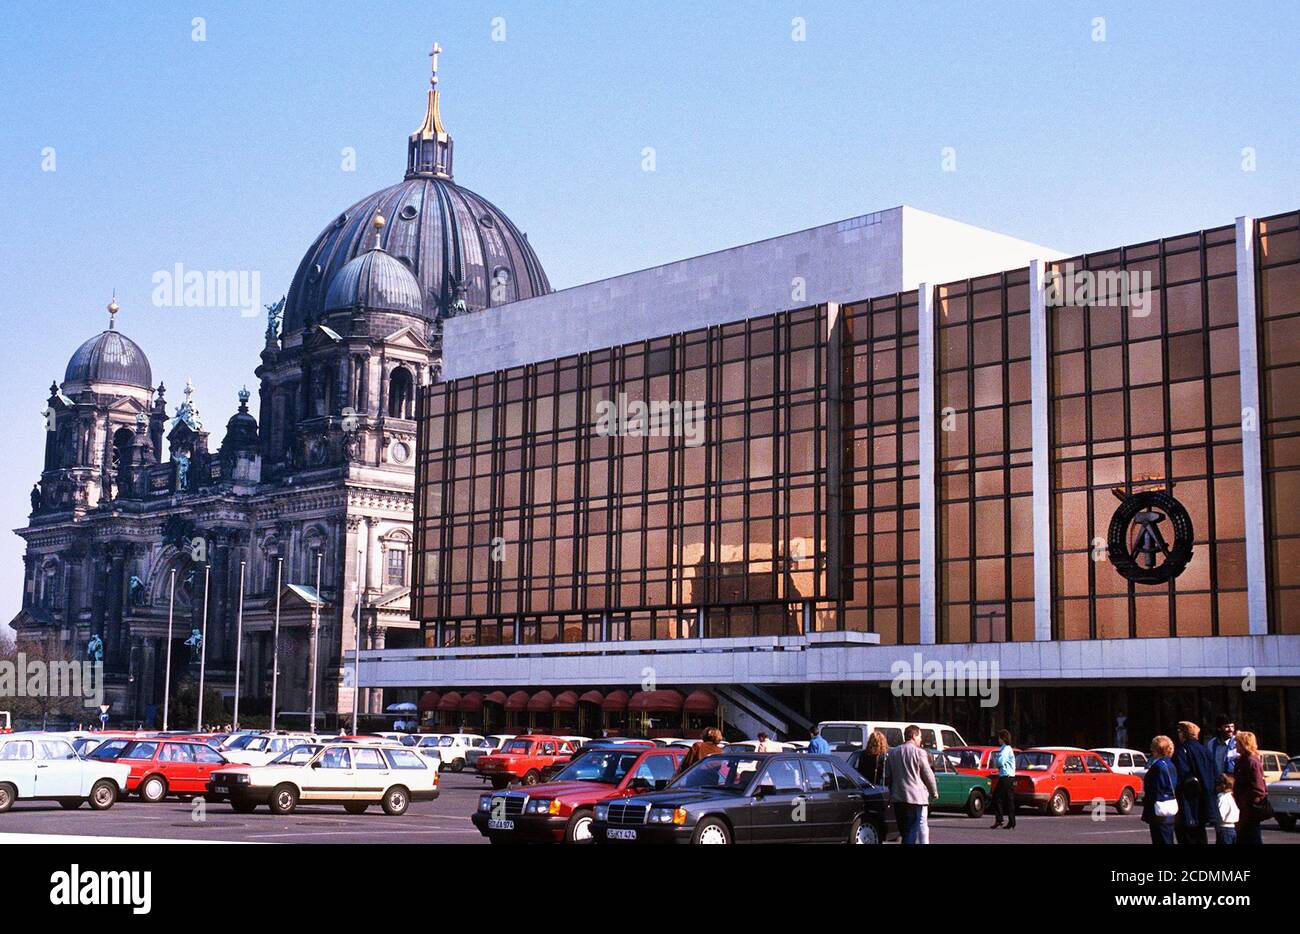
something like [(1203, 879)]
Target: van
[(848, 736)]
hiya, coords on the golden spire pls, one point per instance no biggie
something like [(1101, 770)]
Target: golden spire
[(112, 311), (379, 223), (432, 127), (429, 147)]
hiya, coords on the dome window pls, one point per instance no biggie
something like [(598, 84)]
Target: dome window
[(341, 220), (487, 221), (408, 213)]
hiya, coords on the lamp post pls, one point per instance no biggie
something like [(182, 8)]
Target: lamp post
[(315, 638), (239, 642), (167, 677), (203, 647), (275, 639)]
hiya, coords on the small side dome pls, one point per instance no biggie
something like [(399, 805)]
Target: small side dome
[(108, 358), (377, 282)]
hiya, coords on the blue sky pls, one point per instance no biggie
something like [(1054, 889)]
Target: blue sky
[(227, 154)]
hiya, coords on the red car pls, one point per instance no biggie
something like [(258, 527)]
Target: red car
[(561, 810), (973, 760), (162, 767), (1055, 780), (524, 759)]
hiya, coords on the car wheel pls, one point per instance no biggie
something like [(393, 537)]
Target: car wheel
[(531, 777), (283, 799), (1125, 803), (457, 765), (1058, 805), (976, 803), (711, 830), (69, 804), (103, 794), (1285, 821), (7, 795), (243, 807), (578, 830), (396, 801), (864, 832), (153, 789), (356, 807)]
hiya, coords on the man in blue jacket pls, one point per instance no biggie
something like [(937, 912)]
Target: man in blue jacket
[(1197, 778), (817, 744)]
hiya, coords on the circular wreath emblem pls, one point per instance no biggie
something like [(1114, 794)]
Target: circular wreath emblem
[(1150, 538)]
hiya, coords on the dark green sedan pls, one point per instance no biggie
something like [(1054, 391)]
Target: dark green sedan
[(958, 791)]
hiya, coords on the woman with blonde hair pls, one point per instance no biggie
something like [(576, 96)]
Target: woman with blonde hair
[(1249, 790), (871, 763), (1159, 789)]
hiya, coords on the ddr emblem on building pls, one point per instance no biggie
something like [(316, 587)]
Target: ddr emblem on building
[(1150, 538)]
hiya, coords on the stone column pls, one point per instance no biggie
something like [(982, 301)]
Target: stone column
[(928, 456), (1252, 427), (1040, 407)]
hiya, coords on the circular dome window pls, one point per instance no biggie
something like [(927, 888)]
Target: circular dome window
[(400, 452), (408, 213), (341, 220), (501, 276), (316, 271), (487, 221)]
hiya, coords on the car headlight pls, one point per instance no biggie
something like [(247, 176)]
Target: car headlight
[(543, 806), (240, 778), (485, 802), (602, 812), (667, 816)]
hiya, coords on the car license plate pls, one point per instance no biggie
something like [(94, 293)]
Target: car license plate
[(501, 825), (1293, 801), (218, 787), (618, 833)]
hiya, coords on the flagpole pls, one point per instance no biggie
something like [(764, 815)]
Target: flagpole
[(239, 642), (203, 646), (275, 639), (167, 678)]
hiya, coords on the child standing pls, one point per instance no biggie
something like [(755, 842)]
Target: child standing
[(1229, 813)]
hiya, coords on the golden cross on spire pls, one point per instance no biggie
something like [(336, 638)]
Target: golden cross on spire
[(437, 49)]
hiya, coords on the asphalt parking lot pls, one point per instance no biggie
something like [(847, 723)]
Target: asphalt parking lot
[(447, 821)]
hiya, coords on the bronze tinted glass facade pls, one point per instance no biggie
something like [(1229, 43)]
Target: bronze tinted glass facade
[(795, 502)]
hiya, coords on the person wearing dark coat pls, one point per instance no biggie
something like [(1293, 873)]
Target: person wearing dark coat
[(710, 745), (1197, 782), (1159, 785), (1249, 790)]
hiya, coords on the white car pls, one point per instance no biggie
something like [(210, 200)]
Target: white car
[(44, 766), (351, 774), (1284, 795), (1124, 761), (490, 745), (751, 745), (261, 749), (454, 748)]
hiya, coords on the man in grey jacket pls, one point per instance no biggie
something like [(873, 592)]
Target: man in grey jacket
[(911, 783)]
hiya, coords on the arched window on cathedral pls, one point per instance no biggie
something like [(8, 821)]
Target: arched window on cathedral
[(122, 439), (401, 394), (48, 584)]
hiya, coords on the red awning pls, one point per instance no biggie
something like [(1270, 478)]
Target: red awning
[(566, 700), (700, 702), (450, 701), (471, 702), (495, 697), (429, 701), (517, 701), (541, 702), (592, 697), (665, 701), (615, 701)]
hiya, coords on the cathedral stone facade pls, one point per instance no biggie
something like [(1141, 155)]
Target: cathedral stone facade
[(139, 517)]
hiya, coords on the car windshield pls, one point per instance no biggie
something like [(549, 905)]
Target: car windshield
[(1034, 761), (724, 773), (1107, 757), (109, 749), (239, 742), (963, 758), (603, 766), (848, 736), (1292, 770), (297, 755)]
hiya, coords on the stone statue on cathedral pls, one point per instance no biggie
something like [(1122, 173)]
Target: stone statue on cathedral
[(36, 497), (95, 648)]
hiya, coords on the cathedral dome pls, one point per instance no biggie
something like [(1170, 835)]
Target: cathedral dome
[(108, 358), (463, 253), (375, 281)]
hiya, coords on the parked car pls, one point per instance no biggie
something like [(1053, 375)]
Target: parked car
[(1274, 764), (523, 759), (958, 790), (848, 736), (1056, 780), (453, 748), (749, 798), (1124, 761), (973, 760), (750, 745), (262, 748), (1284, 795), (490, 745), (44, 766), (562, 809), (355, 775), (160, 767)]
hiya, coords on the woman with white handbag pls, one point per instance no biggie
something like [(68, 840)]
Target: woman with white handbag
[(1159, 790)]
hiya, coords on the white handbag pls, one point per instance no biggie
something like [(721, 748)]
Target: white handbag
[(1167, 809)]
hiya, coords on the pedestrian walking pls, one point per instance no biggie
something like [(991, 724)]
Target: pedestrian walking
[(709, 745), (765, 745), (1225, 831), (871, 762), (1197, 802), (1159, 791), (816, 744), (1249, 790), (1004, 784), (911, 783)]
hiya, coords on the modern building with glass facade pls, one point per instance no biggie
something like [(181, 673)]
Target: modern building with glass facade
[(1079, 474)]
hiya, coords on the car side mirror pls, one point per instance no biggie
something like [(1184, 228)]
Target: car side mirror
[(762, 791), (640, 784), (315, 765)]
